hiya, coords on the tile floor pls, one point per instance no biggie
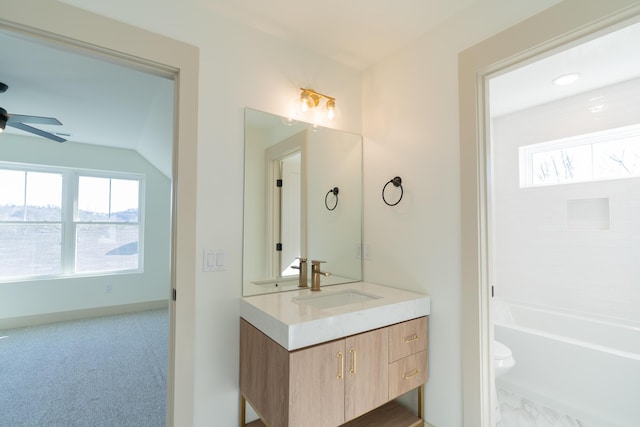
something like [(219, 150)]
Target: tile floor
[(518, 411)]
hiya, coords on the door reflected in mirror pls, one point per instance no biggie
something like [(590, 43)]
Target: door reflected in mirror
[(290, 169)]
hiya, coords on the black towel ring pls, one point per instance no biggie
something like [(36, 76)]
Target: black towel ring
[(333, 191), (397, 182)]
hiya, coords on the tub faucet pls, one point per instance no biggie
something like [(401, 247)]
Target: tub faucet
[(302, 277), (315, 274)]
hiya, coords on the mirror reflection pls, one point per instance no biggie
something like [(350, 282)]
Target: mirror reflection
[(302, 199)]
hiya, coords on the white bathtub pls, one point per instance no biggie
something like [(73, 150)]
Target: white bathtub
[(580, 366)]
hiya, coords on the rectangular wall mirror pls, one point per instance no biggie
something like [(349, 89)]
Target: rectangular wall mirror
[(291, 206)]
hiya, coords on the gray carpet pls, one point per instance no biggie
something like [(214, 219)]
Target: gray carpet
[(108, 371)]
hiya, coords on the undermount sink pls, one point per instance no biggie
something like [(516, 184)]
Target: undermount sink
[(300, 318), (335, 299)]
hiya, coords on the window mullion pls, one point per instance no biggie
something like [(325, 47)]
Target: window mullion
[(110, 189), (70, 197), (24, 198)]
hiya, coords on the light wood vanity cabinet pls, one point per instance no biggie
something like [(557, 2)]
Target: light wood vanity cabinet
[(366, 378), (334, 383), (407, 356)]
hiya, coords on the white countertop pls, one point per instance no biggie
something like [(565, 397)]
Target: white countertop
[(294, 325)]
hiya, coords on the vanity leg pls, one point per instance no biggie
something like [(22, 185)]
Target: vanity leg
[(243, 407), (421, 402)]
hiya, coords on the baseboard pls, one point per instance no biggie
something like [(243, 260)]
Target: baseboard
[(63, 316)]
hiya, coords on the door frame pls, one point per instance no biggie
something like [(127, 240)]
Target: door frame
[(273, 156), (569, 23), (94, 35)]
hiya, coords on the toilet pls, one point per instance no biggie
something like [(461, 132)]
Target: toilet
[(502, 359), (502, 362)]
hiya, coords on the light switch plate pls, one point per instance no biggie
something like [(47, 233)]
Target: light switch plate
[(213, 260)]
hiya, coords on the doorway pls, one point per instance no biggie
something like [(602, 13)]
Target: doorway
[(285, 194), (564, 183), (94, 35), (521, 44), (94, 236)]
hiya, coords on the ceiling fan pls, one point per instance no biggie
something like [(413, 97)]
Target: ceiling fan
[(19, 121)]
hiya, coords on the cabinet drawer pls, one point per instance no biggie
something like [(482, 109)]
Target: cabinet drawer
[(407, 338), (407, 374)]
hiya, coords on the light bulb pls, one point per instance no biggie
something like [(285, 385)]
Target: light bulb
[(331, 109), (304, 102)]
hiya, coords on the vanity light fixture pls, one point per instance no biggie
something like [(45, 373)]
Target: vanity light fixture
[(566, 79), (310, 99)]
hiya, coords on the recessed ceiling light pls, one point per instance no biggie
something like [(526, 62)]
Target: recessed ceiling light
[(566, 79)]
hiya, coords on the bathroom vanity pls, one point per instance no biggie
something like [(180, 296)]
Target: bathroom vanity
[(341, 355), (333, 358)]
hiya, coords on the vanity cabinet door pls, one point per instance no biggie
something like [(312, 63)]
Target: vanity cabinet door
[(366, 372), (316, 385), (338, 381)]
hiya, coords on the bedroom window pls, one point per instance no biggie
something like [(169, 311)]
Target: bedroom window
[(63, 222), (106, 225), (30, 223), (609, 154)]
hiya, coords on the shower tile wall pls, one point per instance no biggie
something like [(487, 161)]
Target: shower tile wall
[(542, 259)]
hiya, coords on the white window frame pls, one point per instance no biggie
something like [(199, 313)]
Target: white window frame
[(69, 218), (526, 153)]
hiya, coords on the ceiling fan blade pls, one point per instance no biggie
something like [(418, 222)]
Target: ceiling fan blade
[(35, 131), (21, 118)]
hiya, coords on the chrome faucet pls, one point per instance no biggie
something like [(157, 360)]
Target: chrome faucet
[(316, 273), (302, 277)]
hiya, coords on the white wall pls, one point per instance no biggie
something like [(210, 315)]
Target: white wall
[(40, 297), (255, 217), (539, 259), (334, 160), (411, 129), (238, 68)]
